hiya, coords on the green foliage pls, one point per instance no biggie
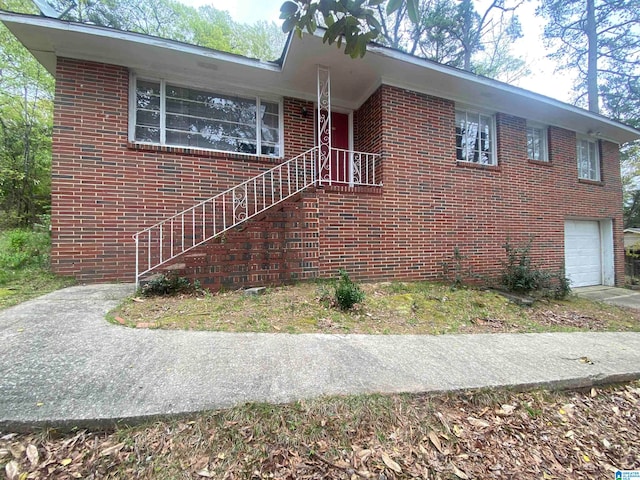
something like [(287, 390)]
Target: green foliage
[(169, 284), (205, 26), (446, 31), (347, 293), (518, 274), (521, 276), (355, 22), (23, 248), (455, 271), (26, 111), (617, 68)]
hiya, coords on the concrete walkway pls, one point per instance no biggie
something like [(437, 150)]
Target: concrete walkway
[(62, 364), (621, 297)]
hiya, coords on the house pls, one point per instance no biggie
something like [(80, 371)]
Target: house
[(631, 238), (240, 172)]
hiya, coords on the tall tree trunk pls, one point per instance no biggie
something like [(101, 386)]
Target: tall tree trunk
[(592, 68)]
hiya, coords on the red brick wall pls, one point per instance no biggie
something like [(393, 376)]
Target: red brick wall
[(105, 190), (430, 204)]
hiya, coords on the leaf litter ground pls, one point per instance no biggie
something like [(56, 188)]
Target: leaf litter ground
[(479, 435)]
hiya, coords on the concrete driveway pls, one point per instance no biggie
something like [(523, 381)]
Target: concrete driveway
[(64, 365), (616, 296)]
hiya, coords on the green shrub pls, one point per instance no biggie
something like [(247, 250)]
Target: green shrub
[(22, 248), (347, 293), (170, 284), (518, 274), (521, 276)]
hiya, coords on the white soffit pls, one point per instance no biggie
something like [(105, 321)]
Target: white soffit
[(352, 81)]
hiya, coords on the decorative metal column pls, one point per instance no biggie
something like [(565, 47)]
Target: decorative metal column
[(324, 125)]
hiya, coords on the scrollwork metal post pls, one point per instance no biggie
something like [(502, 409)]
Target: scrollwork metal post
[(324, 125)]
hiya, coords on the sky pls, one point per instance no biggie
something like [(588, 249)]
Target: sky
[(542, 80)]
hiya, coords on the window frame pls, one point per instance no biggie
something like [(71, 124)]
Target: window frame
[(544, 144), (219, 91), (492, 130), (598, 170)]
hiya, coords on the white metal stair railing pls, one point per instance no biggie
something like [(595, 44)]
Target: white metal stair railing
[(170, 238)]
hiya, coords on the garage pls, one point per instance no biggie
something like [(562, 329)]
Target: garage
[(588, 252)]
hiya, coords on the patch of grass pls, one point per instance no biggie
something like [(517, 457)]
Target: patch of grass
[(24, 267), (535, 434), (388, 308)]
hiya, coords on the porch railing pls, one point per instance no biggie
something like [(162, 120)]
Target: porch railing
[(170, 238), (347, 167)]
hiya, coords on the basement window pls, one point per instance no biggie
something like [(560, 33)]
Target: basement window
[(588, 159), (537, 143), (475, 137), (164, 113)]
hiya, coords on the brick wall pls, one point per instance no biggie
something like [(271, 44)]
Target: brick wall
[(430, 204), (105, 189)]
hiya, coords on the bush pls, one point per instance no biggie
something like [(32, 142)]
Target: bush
[(520, 276), (22, 248), (347, 293), (170, 284)]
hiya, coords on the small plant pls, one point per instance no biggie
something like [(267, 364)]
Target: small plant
[(521, 276), (347, 293), (454, 271), (170, 284), (562, 287)]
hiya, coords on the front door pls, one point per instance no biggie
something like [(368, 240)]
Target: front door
[(340, 157), (338, 168)]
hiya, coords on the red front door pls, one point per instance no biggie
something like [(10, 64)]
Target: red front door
[(338, 169), (340, 165)]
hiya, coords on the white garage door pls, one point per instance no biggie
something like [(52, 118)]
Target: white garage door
[(583, 252)]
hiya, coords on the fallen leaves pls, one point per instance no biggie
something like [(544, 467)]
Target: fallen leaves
[(390, 463), (32, 455), (537, 435)]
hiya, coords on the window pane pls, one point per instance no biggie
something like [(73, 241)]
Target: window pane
[(201, 119), (270, 128), (588, 161), (148, 95), (146, 134), (474, 138), (147, 111), (208, 120), (533, 143), (148, 118)]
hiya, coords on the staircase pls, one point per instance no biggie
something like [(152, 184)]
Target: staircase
[(211, 218)]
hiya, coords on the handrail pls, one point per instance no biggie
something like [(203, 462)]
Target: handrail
[(175, 235)]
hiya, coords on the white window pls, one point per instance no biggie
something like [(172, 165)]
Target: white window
[(537, 143), (475, 137), (168, 114), (588, 159)]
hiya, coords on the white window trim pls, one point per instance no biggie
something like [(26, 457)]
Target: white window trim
[(163, 83), (494, 131), (596, 143), (545, 141)]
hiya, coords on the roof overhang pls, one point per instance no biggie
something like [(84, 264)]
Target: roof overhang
[(352, 81)]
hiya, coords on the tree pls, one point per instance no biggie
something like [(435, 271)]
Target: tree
[(446, 31), (205, 26), (26, 93), (353, 21), (601, 41)]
